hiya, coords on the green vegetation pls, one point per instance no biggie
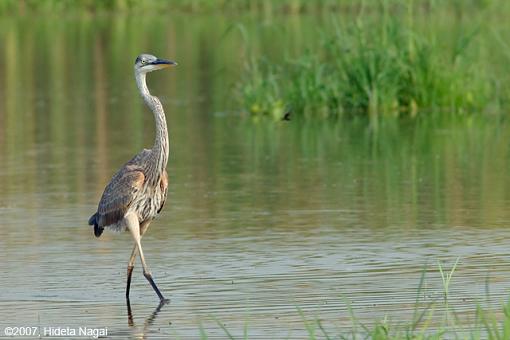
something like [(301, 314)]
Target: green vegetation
[(403, 61), (433, 319), (201, 6)]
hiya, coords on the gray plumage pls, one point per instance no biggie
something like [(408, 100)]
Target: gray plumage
[(135, 187), (137, 192)]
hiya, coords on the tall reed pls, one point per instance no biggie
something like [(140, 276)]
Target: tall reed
[(374, 65)]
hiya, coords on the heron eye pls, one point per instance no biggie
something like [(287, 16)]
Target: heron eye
[(143, 62)]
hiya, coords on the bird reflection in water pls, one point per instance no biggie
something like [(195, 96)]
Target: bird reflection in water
[(149, 321)]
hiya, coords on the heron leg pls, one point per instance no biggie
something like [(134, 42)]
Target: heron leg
[(134, 253), (131, 323), (134, 228), (130, 267)]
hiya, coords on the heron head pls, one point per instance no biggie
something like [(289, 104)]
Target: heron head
[(147, 63)]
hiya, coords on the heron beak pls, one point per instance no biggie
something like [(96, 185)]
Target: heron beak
[(163, 63)]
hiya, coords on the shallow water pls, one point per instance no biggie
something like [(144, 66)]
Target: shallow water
[(267, 224)]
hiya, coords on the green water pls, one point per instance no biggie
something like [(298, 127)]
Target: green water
[(262, 217)]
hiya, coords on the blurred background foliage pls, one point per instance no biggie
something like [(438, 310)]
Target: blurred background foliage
[(267, 6)]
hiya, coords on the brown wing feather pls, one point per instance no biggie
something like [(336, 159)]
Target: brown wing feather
[(119, 194), (164, 189)]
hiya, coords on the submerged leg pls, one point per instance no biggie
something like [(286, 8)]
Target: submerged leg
[(130, 267), (130, 314), (134, 253), (134, 228)]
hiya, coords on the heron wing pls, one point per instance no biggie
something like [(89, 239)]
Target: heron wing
[(119, 194)]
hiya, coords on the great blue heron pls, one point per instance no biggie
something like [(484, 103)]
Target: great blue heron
[(137, 192)]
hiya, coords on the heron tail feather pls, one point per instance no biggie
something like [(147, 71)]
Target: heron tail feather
[(97, 229)]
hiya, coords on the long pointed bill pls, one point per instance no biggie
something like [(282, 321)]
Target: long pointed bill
[(162, 63)]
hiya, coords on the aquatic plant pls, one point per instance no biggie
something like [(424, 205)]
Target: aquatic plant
[(382, 65), (434, 319)]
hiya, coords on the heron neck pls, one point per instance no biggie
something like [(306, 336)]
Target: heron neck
[(161, 144)]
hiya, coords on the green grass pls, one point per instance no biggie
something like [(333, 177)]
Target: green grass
[(429, 320), (394, 63)]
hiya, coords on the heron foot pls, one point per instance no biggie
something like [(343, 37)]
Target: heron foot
[(148, 276)]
